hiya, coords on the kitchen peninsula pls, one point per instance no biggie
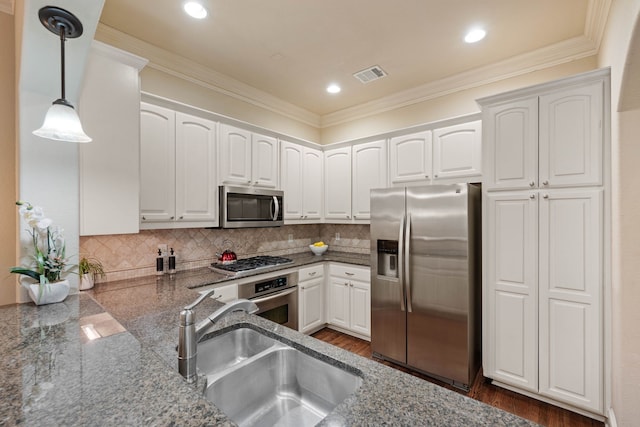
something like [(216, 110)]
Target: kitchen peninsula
[(53, 374)]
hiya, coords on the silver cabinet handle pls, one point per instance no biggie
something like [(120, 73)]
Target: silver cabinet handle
[(348, 274), (545, 182), (312, 273), (532, 183), (532, 196)]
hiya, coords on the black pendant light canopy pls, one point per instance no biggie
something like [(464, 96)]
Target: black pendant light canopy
[(61, 122)]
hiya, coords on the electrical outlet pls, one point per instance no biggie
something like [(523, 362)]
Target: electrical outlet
[(290, 238), (337, 236), (163, 248)]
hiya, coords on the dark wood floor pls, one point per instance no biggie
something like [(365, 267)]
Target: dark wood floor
[(531, 409)]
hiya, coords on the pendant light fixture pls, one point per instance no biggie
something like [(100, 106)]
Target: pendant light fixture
[(61, 122)]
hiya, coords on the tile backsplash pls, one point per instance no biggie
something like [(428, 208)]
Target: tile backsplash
[(126, 256)]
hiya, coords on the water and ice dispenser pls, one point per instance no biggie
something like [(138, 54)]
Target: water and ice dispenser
[(388, 258)]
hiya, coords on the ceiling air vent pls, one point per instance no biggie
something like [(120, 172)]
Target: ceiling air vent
[(370, 74)]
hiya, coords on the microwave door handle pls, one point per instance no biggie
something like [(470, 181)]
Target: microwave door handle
[(277, 295), (277, 208)]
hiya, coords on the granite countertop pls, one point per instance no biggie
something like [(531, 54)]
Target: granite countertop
[(52, 374)]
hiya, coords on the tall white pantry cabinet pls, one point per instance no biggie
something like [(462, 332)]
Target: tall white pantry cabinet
[(545, 256)]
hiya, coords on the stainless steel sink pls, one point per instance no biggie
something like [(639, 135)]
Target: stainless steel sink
[(279, 385), (227, 350)]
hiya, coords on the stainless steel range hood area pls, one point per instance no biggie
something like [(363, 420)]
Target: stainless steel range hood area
[(242, 207)]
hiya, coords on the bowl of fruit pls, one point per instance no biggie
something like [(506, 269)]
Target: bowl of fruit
[(319, 248)]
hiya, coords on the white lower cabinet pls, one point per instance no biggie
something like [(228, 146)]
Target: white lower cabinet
[(311, 299), (544, 279), (349, 299)]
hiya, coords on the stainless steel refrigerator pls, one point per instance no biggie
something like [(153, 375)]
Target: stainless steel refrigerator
[(426, 279)]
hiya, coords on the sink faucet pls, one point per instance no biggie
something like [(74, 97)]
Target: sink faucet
[(189, 333)]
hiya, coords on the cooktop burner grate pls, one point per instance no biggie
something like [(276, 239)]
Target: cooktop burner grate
[(249, 264)]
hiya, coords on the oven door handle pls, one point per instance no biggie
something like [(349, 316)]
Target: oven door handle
[(277, 295)]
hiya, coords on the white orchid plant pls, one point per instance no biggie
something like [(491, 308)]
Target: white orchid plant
[(48, 242)]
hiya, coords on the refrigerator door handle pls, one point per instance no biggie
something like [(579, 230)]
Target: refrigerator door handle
[(403, 297), (407, 263)]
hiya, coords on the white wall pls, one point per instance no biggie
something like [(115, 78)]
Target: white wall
[(625, 292)]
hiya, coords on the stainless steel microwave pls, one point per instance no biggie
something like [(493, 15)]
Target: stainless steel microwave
[(242, 207)]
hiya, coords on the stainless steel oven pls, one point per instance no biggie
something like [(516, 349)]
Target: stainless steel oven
[(276, 298)]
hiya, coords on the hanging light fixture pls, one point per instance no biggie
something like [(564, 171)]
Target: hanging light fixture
[(61, 122)]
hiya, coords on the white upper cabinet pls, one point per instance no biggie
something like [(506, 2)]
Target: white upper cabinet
[(247, 159), (337, 184), (511, 144), (109, 165), (546, 141), (457, 150), (157, 163), (196, 190), (301, 181), (369, 167), (410, 158), (178, 185), (571, 136)]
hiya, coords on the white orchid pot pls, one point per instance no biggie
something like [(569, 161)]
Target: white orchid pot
[(49, 293)]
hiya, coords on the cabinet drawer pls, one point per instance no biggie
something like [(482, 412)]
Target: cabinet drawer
[(350, 272), (311, 272), (224, 293)]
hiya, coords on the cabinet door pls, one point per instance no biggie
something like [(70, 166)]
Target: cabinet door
[(110, 200), (369, 170), (196, 181), (360, 307), (157, 163), (338, 309), (235, 155), (264, 154), (457, 150), (571, 141), (311, 304), (337, 179), (312, 177), (410, 158), (511, 266), (291, 179), (510, 145), (571, 281)]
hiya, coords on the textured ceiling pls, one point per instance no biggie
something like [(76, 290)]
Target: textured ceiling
[(291, 49)]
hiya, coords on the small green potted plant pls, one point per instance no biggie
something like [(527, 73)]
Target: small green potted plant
[(88, 268)]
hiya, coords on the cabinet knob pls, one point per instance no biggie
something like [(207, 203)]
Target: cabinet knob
[(546, 196), (348, 216), (351, 284), (346, 284), (255, 182), (172, 217), (426, 176), (532, 183), (532, 196), (144, 218), (545, 182), (249, 182), (181, 217), (435, 176), (312, 273), (349, 274)]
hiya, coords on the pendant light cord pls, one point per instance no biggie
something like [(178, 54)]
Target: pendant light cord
[(62, 65)]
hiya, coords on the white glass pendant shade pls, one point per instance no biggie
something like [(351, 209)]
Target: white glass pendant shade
[(62, 124)]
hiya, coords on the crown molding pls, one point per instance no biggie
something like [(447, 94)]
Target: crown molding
[(559, 53), (119, 55), (549, 56), (191, 71), (7, 6)]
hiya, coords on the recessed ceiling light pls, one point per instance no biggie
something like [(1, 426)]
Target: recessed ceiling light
[(475, 35), (195, 9), (333, 88)]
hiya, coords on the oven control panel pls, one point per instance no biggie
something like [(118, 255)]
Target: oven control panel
[(278, 282)]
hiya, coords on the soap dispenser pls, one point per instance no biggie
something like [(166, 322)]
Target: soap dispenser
[(159, 263), (172, 262)]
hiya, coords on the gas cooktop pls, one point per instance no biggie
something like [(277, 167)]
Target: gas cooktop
[(250, 264)]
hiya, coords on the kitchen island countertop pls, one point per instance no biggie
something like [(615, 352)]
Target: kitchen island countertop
[(52, 374)]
